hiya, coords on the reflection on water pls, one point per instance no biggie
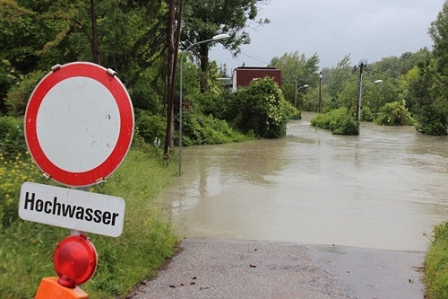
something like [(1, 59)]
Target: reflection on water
[(382, 189)]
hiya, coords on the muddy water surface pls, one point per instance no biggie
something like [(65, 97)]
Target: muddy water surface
[(383, 189)]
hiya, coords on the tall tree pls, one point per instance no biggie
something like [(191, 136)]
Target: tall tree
[(204, 19), (431, 88), (295, 66), (338, 77), (439, 34), (35, 35), (297, 71)]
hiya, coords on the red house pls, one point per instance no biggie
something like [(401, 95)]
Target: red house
[(242, 76)]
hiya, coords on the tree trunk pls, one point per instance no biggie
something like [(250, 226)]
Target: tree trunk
[(203, 57), (176, 46), (95, 51), (169, 142)]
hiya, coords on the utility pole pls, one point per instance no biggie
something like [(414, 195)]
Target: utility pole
[(320, 92), (295, 92), (362, 64)]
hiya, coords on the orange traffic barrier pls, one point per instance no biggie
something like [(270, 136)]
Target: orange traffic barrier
[(50, 289)]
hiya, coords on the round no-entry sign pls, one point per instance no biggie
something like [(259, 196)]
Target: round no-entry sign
[(79, 123)]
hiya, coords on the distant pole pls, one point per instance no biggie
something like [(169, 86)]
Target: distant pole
[(358, 108), (295, 92), (320, 92)]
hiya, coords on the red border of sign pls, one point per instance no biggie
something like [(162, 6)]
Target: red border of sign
[(124, 104)]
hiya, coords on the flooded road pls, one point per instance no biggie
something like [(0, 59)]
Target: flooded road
[(383, 189)]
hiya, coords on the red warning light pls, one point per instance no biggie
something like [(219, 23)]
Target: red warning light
[(75, 260)]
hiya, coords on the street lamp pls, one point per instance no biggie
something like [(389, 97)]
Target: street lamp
[(215, 38), (295, 93), (306, 85), (375, 82), (361, 89)]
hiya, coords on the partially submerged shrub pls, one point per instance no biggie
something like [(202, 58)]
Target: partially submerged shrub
[(263, 109), (339, 121), (395, 114), (432, 121)]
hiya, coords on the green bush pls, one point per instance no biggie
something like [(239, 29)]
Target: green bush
[(198, 129), (18, 96), (263, 109), (366, 114), (345, 126), (7, 78), (395, 114), (150, 127), (228, 108), (206, 102), (432, 121), (338, 121), (12, 137)]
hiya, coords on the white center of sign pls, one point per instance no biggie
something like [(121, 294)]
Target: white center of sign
[(78, 124)]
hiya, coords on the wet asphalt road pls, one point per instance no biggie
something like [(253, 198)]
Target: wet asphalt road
[(252, 269)]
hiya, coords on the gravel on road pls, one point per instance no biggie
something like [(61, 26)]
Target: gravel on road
[(253, 269), (241, 269)]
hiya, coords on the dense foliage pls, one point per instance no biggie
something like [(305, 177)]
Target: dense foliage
[(338, 121), (12, 137), (391, 80), (433, 120), (205, 18), (297, 71), (262, 109), (395, 114)]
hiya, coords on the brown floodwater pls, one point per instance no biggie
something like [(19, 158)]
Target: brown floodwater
[(383, 189)]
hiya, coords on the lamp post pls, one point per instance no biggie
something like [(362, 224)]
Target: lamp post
[(358, 112), (216, 37), (295, 93)]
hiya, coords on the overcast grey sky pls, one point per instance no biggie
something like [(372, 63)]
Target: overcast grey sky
[(365, 29)]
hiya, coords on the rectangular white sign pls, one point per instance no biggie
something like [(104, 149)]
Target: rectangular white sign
[(73, 209)]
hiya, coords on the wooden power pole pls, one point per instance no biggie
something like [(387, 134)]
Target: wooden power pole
[(320, 92)]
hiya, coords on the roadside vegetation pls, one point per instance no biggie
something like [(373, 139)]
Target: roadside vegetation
[(135, 38), (27, 248), (436, 264)]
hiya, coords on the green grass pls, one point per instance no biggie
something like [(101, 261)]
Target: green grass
[(436, 264), (27, 248)]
